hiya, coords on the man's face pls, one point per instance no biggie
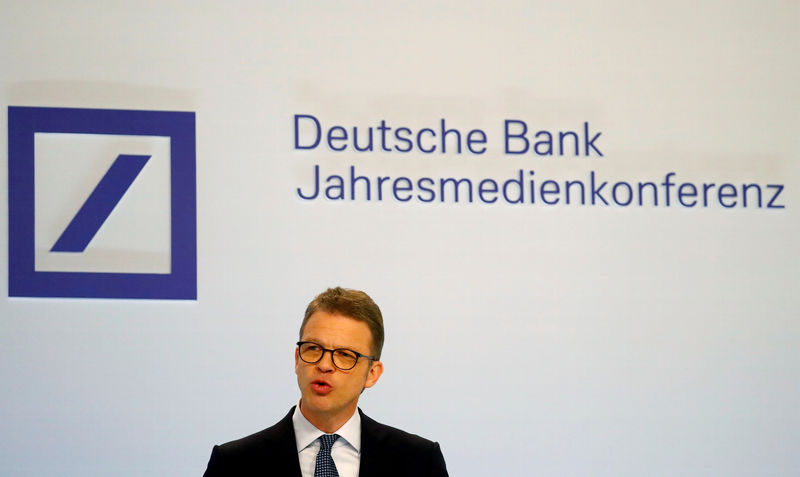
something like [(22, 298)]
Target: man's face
[(328, 393)]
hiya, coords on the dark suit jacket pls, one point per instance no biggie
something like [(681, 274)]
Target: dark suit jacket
[(385, 452)]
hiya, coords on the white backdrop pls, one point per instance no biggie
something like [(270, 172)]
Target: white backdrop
[(557, 340)]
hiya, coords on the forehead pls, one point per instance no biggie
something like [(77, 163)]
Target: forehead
[(337, 331)]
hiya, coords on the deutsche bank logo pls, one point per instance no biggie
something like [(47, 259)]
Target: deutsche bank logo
[(101, 203)]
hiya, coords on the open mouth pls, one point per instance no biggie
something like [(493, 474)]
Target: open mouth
[(320, 386)]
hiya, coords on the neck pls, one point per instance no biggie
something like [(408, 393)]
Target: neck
[(327, 423)]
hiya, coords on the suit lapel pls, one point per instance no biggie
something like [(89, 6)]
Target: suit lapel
[(283, 448), (371, 448)]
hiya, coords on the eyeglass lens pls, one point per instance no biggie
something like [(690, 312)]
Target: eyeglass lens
[(342, 358)]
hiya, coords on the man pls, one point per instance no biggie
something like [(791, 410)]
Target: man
[(337, 357)]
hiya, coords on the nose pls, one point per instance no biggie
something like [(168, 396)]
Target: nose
[(325, 364)]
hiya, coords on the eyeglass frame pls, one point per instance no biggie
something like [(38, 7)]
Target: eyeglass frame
[(324, 350)]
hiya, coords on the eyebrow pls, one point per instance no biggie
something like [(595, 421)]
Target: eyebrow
[(319, 342), (314, 340)]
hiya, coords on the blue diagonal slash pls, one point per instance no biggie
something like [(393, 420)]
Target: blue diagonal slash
[(94, 212)]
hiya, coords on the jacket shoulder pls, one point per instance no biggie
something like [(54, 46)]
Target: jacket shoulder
[(389, 451), (272, 448), (258, 440), (392, 435)]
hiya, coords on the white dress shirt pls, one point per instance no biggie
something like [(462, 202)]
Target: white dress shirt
[(346, 451)]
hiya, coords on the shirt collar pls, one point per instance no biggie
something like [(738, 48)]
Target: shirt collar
[(306, 433)]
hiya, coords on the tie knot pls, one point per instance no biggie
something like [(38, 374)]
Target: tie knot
[(327, 440)]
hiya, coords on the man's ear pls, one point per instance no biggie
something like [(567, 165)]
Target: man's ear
[(296, 358), (373, 374)]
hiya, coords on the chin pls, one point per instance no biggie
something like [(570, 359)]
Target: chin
[(317, 403)]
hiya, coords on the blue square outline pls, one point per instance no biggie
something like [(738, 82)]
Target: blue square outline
[(24, 280)]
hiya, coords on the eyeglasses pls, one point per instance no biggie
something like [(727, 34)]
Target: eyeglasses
[(343, 358)]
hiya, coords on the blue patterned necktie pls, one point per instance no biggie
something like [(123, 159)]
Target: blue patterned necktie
[(325, 467)]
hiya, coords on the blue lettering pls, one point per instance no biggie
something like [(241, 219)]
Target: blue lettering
[(404, 139), (721, 194), (428, 189), (491, 189), (521, 136), (396, 187), (778, 189), (544, 192), (335, 191), (342, 137), (419, 140), (614, 193), (518, 185), (317, 127), (480, 140), (681, 194), (316, 186), (597, 191)]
